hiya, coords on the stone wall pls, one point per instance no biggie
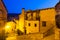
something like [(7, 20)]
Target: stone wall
[(34, 36)]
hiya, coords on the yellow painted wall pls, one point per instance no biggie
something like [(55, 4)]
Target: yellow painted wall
[(47, 15), (21, 20), (32, 28), (9, 26)]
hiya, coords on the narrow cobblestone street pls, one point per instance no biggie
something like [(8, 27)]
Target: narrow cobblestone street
[(30, 37)]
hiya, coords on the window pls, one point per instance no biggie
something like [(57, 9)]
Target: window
[(26, 17), (44, 23), (35, 25), (37, 18), (1, 13), (0, 24), (29, 24), (29, 17)]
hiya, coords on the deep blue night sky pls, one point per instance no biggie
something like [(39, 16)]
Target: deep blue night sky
[(15, 6)]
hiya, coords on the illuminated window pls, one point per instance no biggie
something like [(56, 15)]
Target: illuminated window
[(44, 23)]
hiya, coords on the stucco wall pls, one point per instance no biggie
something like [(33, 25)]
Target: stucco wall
[(48, 16)]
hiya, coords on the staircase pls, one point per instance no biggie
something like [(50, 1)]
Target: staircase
[(48, 32)]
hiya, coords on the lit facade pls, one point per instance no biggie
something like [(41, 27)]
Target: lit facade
[(40, 20), (3, 20), (34, 21), (3, 14), (37, 20)]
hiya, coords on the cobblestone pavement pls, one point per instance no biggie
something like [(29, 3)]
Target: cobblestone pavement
[(51, 37)]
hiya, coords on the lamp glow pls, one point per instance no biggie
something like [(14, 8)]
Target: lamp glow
[(7, 27)]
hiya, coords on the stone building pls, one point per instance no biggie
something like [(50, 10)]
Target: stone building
[(57, 17), (40, 20), (37, 20), (3, 14), (3, 19)]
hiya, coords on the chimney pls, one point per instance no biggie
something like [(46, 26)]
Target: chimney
[(23, 10)]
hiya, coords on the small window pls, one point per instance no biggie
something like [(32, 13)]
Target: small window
[(44, 23), (29, 24), (59, 8), (35, 25), (0, 24)]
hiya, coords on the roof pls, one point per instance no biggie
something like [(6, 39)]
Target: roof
[(57, 4), (39, 9)]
